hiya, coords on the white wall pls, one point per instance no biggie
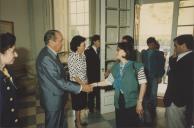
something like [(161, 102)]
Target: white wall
[(32, 18), (17, 12)]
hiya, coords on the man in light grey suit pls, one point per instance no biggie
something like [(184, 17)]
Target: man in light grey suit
[(52, 83)]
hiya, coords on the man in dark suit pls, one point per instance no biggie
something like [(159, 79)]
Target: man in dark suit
[(179, 94), (93, 71), (52, 83)]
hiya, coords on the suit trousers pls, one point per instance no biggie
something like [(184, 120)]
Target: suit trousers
[(175, 116), (152, 95), (91, 99), (55, 119)]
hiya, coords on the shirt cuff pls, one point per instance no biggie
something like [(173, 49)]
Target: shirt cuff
[(143, 81), (80, 88), (94, 84)]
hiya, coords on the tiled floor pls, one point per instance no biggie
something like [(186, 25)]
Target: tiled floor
[(32, 116)]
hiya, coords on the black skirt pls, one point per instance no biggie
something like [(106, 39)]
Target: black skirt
[(79, 101)]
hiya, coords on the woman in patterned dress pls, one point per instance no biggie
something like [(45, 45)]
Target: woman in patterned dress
[(77, 70)]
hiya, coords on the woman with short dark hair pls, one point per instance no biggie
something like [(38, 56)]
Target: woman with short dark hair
[(77, 71), (8, 89), (128, 79)]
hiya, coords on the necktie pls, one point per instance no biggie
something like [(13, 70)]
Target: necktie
[(58, 58)]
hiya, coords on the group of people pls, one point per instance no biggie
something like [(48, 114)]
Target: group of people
[(135, 82)]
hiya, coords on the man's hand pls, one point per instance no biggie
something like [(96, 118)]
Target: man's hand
[(87, 88)]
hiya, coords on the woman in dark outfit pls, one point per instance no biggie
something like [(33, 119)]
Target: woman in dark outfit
[(8, 89)]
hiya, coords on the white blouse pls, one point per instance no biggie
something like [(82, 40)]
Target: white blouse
[(77, 66)]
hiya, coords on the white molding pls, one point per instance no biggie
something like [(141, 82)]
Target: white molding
[(97, 29), (103, 36), (107, 97), (104, 97), (174, 24), (154, 1), (61, 20), (132, 20), (32, 28)]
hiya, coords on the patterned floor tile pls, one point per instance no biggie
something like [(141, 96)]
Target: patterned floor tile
[(26, 104), (103, 124), (28, 121), (27, 112), (109, 116), (40, 118), (31, 126)]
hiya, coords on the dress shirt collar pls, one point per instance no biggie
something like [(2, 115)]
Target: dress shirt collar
[(95, 49), (182, 55)]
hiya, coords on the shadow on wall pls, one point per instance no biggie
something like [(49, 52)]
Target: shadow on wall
[(24, 66), (24, 71), (18, 67)]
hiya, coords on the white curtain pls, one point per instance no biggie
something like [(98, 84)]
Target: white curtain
[(48, 14)]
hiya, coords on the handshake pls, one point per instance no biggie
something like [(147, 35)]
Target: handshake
[(87, 88)]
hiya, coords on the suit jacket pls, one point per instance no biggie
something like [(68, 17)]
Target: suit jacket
[(51, 81), (192, 119), (93, 65), (180, 82), (8, 101)]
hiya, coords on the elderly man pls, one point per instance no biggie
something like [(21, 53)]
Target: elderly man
[(52, 83)]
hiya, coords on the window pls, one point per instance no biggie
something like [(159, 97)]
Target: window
[(78, 18), (186, 11), (156, 21)]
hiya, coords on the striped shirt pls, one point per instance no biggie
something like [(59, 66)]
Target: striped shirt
[(140, 76)]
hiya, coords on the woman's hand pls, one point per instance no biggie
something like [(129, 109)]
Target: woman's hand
[(139, 108)]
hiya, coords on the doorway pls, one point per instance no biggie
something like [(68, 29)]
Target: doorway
[(155, 20)]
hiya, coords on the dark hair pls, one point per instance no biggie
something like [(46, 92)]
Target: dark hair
[(7, 41), (129, 39), (94, 38), (157, 45), (151, 40), (50, 35), (76, 41), (186, 39), (128, 48)]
